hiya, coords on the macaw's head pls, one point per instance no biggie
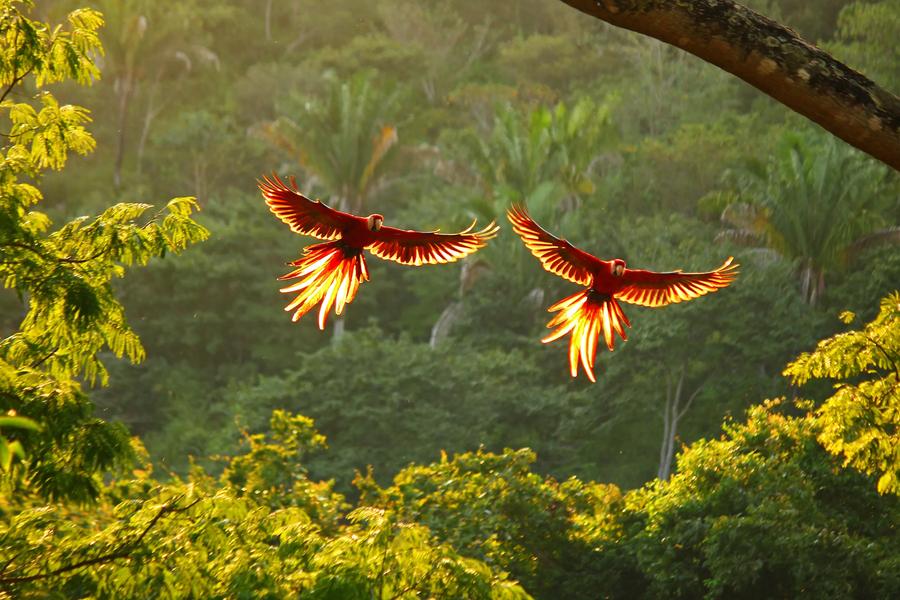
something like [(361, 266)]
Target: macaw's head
[(618, 267), (374, 222)]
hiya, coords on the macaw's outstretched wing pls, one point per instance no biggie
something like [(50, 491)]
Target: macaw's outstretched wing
[(558, 256), (652, 289), (302, 215), (417, 248)]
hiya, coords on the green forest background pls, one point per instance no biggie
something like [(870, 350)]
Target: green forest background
[(165, 455)]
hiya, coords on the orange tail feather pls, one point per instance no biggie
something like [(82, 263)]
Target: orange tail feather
[(586, 315), (330, 273)]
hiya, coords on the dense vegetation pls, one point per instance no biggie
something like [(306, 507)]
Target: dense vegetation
[(462, 459)]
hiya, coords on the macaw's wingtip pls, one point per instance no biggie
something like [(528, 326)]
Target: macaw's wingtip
[(516, 211), (490, 231), (730, 265)]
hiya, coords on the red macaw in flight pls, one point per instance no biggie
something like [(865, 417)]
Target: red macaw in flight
[(331, 272), (595, 310)]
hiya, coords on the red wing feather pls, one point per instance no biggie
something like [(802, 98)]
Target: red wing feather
[(302, 215), (556, 255), (417, 248), (649, 288)]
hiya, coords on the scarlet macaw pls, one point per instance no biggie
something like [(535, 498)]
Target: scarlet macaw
[(332, 271), (596, 310)]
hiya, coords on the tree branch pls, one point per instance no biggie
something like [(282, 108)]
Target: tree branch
[(687, 405), (123, 551), (772, 58), (59, 259)]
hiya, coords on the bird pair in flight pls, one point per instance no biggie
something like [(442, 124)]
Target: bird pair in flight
[(330, 273)]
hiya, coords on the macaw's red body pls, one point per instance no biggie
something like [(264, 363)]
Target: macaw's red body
[(331, 272), (596, 311)]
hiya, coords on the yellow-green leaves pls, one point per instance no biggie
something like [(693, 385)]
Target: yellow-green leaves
[(69, 311), (50, 54), (861, 421), (48, 135), (196, 539), (73, 313), (178, 228), (8, 448)]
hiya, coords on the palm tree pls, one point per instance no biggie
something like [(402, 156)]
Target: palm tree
[(526, 152), (546, 157), (817, 203), (342, 141)]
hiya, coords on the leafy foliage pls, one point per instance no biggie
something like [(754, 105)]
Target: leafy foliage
[(816, 204), (64, 277), (199, 538), (861, 421), (756, 513), (492, 507), (343, 140), (863, 40), (274, 472), (457, 410), (238, 496)]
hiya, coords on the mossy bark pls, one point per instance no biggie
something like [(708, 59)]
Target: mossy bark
[(772, 58)]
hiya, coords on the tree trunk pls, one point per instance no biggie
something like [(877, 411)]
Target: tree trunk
[(124, 100), (151, 114), (672, 414), (444, 325), (773, 59), (338, 331), (149, 117)]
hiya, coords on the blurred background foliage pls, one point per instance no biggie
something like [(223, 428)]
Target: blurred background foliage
[(436, 114)]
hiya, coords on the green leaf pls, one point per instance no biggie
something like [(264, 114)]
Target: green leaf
[(19, 422), (5, 455)]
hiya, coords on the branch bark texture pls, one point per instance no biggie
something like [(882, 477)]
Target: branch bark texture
[(772, 58)]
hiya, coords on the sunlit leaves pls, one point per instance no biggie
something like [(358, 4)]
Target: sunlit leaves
[(63, 278), (10, 448), (51, 54), (272, 470), (861, 421), (73, 312), (198, 539), (48, 134), (756, 513), (63, 457), (493, 507)]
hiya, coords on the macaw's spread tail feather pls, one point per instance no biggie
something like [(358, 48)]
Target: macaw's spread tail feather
[(330, 273), (586, 315)]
